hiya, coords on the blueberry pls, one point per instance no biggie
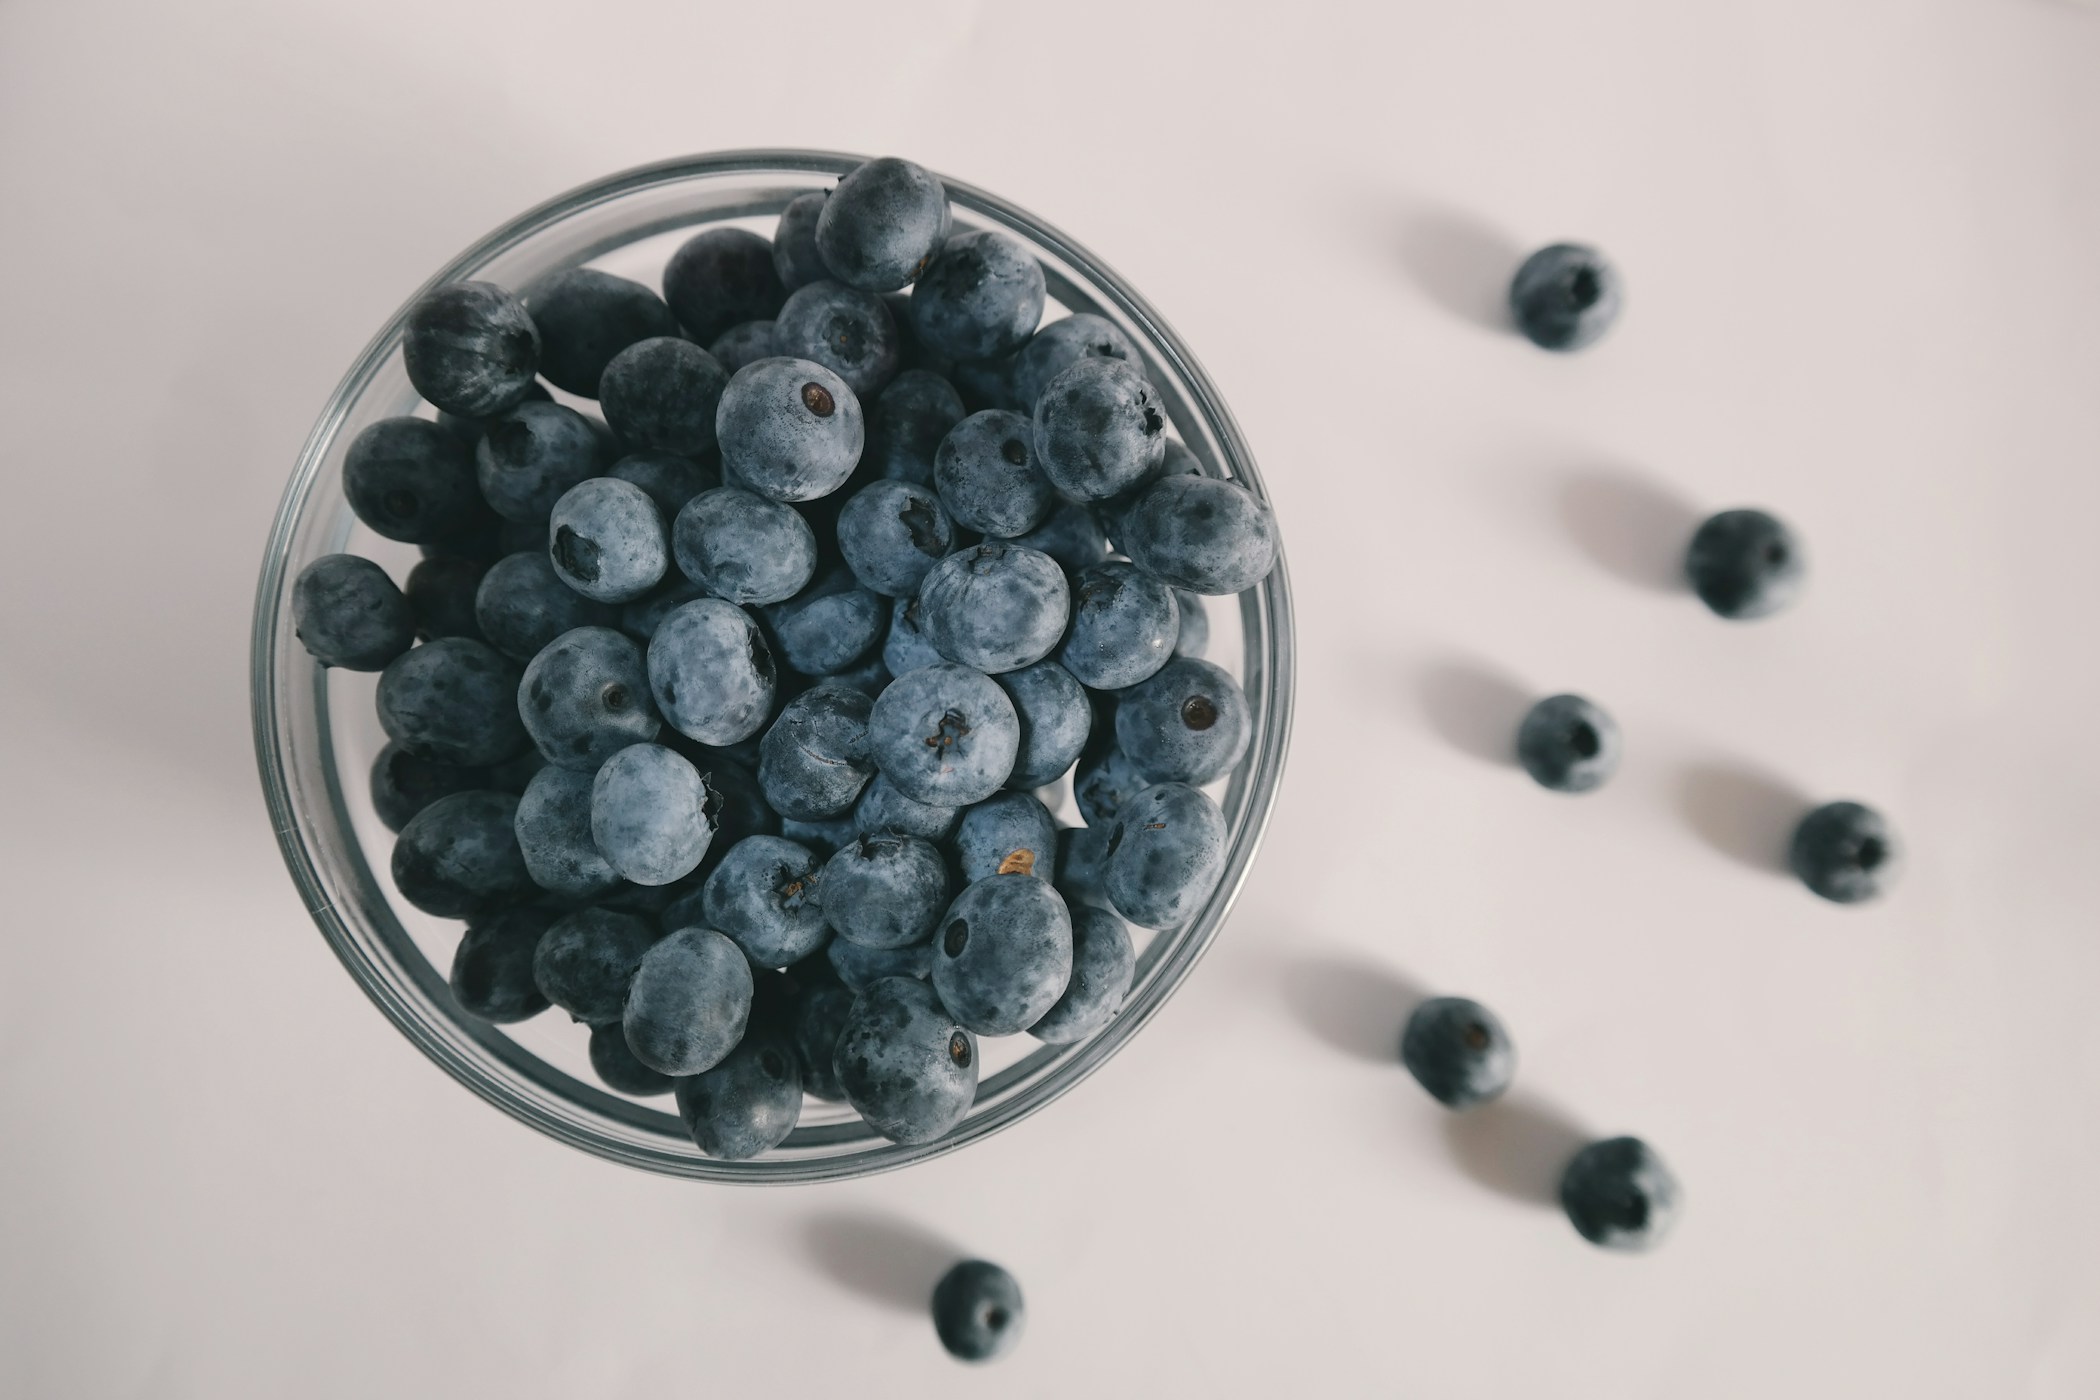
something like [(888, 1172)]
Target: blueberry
[(944, 735), (917, 354), (820, 1015), (468, 430), (607, 540), (743, 547), (720, 277), (459, 856), (640, 618), (907, 1067), (440, 592), (1055, 719), (795, 256), (1194, 637), (1165, 855), (1844, 851), (1187, 724), (883, 224), (1458, 1051), (828, 626), (687, 1002), (860, 967), (492, 968), (744, 343), (891, 534), (790, 430), (767, 894), (454, 699), (824, 836), (554, 834), (585, 697), (1568, 744), (885, 891), (1003, 954), (1565, 297), (617, 1066), (1082, 866), (1070, 535), (661, 394), (1099, 429), (1177, 460), (1196, 532), (404, 782), (586, 960), (534, 453), (1103, 965), (867, 675), (988, 477), (1009, 833), (847, 331), (1618, 1194), (884, 810), (1061, 344), (1124, 624), (814, 761), (980, 298), (906, 647), (986, 384), (711, 672), (347, 613), (650, 814), (1745, 564), (586, 318), (977, 1310), (470, 348), (906, 423), (749, 1102), (995, 607), (410, 480), (1104, 783)]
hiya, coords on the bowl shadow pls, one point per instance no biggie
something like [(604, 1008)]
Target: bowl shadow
[(1632, 528), (1516, 1146), (1741, 812), (1474, 708), (1463, 264), (884, 1258), (1357, 1006)]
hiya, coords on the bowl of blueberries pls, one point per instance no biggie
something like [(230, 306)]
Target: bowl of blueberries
[(772, 666)]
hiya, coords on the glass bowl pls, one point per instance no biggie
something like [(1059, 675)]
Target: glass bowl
[(316, 734)]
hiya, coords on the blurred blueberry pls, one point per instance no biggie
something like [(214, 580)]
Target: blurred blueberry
[(827, 626), (522, 605), (688, 1002), (554, 835), (1568, 744), (404, 782), (1196, 532), (650, 814), (795, 256), (720, 277), (1099, 429), (1055, 718), (884, 810), (711, 671), (1165, 855), (1070, 535), (1061, 344), (1102, 967), (749, 1102), (847, 331), (767, 895), (454, 699), (1619, 1195), (660, 394), (587, 959), (534, 453), (1124, 623), (459, 856), (1009, 833), (1844, 851), (410, 480), (789, 429), (906, 423), (743, 547), (440, 592), (585, 697), (988, 477), (906, 1065), (1458, 1051), (492, 967), (607, 540), (1564, 297), (1745, 564), (586, 318), (995, 607), (1187, 724), (977, 1311), (745, 343), (945, 735), (885, 891), (814, 761), (980, 298), (1003, 954), (883, 225), (891, 534), (347, 613), (617, 1066), (470, 348)]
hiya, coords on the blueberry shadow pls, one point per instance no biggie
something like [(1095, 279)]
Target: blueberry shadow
[(885, 1259), (1516, 1146), (1745, 814), (1474, 708), (1461, 263), (1632, 528), (1357, 1006)]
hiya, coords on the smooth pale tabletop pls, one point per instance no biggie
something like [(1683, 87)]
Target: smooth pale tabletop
[(1858, 243)]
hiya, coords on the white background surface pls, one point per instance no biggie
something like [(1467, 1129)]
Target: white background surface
[(1860, 244)]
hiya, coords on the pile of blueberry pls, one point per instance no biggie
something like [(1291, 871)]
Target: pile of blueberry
[(728, 713)]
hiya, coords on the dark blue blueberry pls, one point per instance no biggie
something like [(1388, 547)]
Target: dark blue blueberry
[(1568, 744), (861, 967), (883, 809), (586, 318), (1099, 429), (640, 618), (492, 968), (1194, 637), (720, 277), (454, 699), (711, 672), (1165, 855), (522, 605), (908, 1068), (534, 453), (1104, 783), (977, 1310), (410, 480), (660, 394), (1124, 623), (945, 735), (650, 814), (795, 255), (514, 773), (906, 423), (847, 331), (814, 761), (1458, 1051), (917, 353), (995, 607), (440, 592), (617, 1066), (607, 540), (1055, 720), (347, 613), (743, 547), (883, 224), (820, 1015), (867, 675), (1844, 851), (824, 836), (586, 960), (891, 534), (1196, 532), (790, 429), (1619, 1195), (767, 895), (988, 478), (1565, 297), (404, 782), (1102, 967), (1745, 564), (986, 384), (470, 348), (554, 834), (1071, 536), (745, 343), (585, 697), (1187, 724), (747, 1104), (1007, 834), (980, 298), (827, 626), (459, 856), (1082, 866), (906, 648), (885, 891), (1003, 954), (688, 1002), (1061, 344)]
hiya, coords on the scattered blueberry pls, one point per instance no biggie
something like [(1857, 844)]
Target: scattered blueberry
[(1003, 954), (1844, 851), (470, 348), (651, 814), (977, 1310), (1102, 967), (859, 967), (454, 699), (1061, 344), (410, 480), (749, 1102), (1124, 624), (554, 835), (720, 277), (820, 1015), (1567, 744), (745, 343), (687, 1002), (586, 318), (885, 891), (743, 547), (661, 394), (617, 1066), (1055, 720), (767, 895), (586, 960), (883, 225), (891, 534), (1009, 833), (459, 856), (980, 298), (906, 648), (534, 453), (988, 477), (884, 810), (944, 734), (1104, 783), (711, 672), (907, 1066), (846, 330), (827, 626), (906, 423), (1070, 535), (795, 255), (1458, 1051), (404, 782), (1745, 564), (996, 607), (585, 697), (1565, 297), (1099, 429), (1187, 724), (789, 429), (814, 761), (1197, 532), (1165, 855), (347, 613), (492, 968), (1618, 1194)]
